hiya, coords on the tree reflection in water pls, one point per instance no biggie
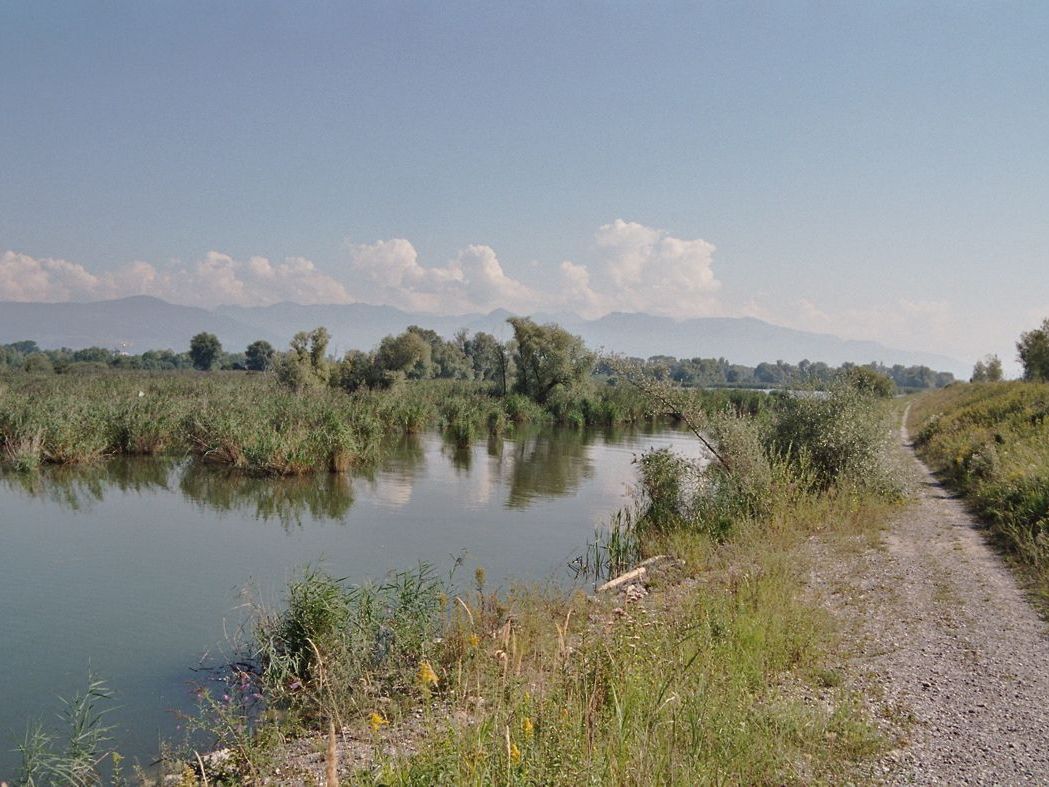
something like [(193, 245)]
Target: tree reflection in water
[(548, 463), (78, 487), (327, 496), (534, 464)]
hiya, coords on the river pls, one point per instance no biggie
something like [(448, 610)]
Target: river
[(137, 569)]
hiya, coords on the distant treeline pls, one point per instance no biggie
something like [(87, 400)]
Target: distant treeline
[(478, 357), (713, 372)]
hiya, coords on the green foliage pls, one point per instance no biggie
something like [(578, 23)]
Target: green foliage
[(259, 356), (550, 361), (1033, 351), (205, 350), (687, 691), (987, 370), (332, 648), (38, 363), (868, 381), (490, 359), (842, 438), (718, 372), (305, 365), (408, 355)]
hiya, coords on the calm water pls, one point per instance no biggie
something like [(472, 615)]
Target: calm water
[(135, 569)]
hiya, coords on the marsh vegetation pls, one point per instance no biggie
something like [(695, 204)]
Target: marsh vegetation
[(532, 686), (518, 683)]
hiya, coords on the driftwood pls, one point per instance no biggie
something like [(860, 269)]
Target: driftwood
[(635, 574)]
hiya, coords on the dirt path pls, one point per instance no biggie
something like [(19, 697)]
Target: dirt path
[(955, 657)]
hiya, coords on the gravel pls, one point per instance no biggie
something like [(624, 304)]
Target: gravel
[(953, 658)]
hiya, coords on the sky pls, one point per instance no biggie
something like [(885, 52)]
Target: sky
[(873, 170)]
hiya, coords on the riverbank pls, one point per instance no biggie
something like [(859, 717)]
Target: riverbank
[(720, 670)]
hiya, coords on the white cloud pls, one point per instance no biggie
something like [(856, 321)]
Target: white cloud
[(647, 269), (637, 268), (640, 269), (216, 279), (25, 278), (473, 280), (577, 294)]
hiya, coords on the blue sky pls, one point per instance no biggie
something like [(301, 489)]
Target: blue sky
[(874, 170)]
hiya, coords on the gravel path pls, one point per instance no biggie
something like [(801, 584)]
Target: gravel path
[(957, 659)]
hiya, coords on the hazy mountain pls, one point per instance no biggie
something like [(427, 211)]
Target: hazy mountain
[(141, 323), (356, 325), (135, 324)]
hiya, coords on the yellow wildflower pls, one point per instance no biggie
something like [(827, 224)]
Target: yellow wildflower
[(527, 727), (376, 721), (427, 677), (515, 754), (474, 640)]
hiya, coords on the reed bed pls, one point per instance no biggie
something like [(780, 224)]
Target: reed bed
[(250, 423)]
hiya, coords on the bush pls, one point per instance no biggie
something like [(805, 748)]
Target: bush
[(842, 437)]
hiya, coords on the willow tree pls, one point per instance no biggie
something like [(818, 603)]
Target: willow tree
[(548, 356)]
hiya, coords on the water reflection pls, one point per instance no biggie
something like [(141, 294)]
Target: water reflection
[(536, 464), (286, 500), (548, 463), (146, 553), (79, 487)]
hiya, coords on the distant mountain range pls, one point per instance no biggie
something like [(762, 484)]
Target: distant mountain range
[(141, 323)]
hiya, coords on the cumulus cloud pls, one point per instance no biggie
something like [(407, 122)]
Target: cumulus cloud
[(650, 270), (634, 268), (25, 278), (214, 280), (641, 269), (473, 280)]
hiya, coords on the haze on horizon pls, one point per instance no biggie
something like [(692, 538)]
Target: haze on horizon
[(872, 172)]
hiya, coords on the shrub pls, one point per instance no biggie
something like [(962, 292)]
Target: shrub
[(842, 437)]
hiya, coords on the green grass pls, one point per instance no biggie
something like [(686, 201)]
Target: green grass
[(698, 688), (990, 441)]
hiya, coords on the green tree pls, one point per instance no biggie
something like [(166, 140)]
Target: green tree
[(408, 354), (306, 362), (1033, 351), (205, 350), (358, 369), (866, 380), (259, 356), (994, 368), (38, 363), (489, 358), (979, 374), (448, 359), (987, 369), (548, 357)]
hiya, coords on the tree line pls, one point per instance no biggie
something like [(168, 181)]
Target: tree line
[(537, 360), (718, 372)]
